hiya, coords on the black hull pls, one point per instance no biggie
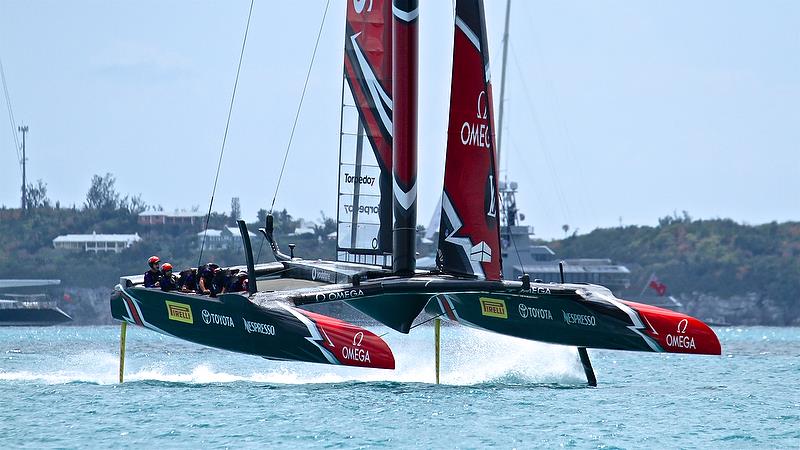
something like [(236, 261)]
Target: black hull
[(274, 330), (32, 316), (576, 315), (272, 324)]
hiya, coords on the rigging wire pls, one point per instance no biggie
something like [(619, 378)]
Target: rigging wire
[(299, 106), (225, 136), (11, 119), (258, 258), (540, 136), (569, 148)]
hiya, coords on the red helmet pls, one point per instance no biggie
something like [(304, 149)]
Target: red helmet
[(166, 266), (153, 260)]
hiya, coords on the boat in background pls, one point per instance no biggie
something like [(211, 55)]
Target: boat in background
[(522, 255), (22, 303)]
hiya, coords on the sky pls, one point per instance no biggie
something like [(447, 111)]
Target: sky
[(617, 112)]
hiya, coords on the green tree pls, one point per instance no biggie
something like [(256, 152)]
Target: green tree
[(102, 194), (37, 195)]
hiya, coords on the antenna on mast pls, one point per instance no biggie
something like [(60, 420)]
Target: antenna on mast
[(503, 83), (24, 130)]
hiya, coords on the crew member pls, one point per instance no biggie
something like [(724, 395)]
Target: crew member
[(219, 281), (168, 279), (237, 283), (187, 280), (153, 276), (205, 278), (226, 281)]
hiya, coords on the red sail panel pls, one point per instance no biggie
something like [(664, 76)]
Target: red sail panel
[(364, 215), (469, 238)]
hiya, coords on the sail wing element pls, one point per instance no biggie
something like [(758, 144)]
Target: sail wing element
[(469, 241), (364, 217)]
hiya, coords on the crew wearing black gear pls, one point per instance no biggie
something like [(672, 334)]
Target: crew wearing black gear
[(187, 280), (169, 283), (205, 278), (152, 278)]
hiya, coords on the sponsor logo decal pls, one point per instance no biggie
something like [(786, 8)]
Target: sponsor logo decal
[(339, 295), (321, 275), (179, 312), (359, 5), (537, 290), (481, 252), (362, 209), (579, 319), (356, 353), (477, 134), (257, 327), (493, 307), (217, 319), (491, 212), (681, 340), (364, 179), (529, 312)]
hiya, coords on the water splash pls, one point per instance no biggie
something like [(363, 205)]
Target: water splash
[(469, 357)]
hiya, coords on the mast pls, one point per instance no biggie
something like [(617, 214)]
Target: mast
[(404, 96), (24, 130), (503, 85)]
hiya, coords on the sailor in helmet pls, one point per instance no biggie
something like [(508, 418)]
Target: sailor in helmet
[(169, 282), (152, 277)]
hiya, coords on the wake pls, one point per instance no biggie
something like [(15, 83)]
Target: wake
[(469, 357)]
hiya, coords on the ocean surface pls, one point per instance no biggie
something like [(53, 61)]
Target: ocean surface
[(58, 388)]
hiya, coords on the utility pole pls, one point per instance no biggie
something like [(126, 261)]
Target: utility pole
[(24, 130), (503, 83)]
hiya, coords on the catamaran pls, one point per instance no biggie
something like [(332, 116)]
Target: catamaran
[(374, 270)]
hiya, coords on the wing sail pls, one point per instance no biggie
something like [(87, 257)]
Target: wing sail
[(364, 217), (469, 241)]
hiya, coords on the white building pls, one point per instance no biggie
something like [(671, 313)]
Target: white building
[(96, 242), (171, 218), (226, 238)]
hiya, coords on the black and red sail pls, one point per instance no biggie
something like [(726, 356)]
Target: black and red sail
[(364, 217), (469, 241)]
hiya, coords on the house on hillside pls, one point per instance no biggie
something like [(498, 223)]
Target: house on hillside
[(96, 242), (180, 218), (304, 228), (226, 238)]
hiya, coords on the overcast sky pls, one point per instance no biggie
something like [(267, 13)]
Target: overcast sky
[(616, 110)]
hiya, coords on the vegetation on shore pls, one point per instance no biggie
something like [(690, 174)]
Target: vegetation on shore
[(716, 257), (26, 251)]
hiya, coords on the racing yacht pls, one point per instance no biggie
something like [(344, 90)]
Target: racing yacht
[(374, 270)]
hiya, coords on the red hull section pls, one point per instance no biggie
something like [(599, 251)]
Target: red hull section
[(352, 345), (676, 332)]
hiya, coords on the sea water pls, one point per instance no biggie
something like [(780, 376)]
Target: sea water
[(58, 388)]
